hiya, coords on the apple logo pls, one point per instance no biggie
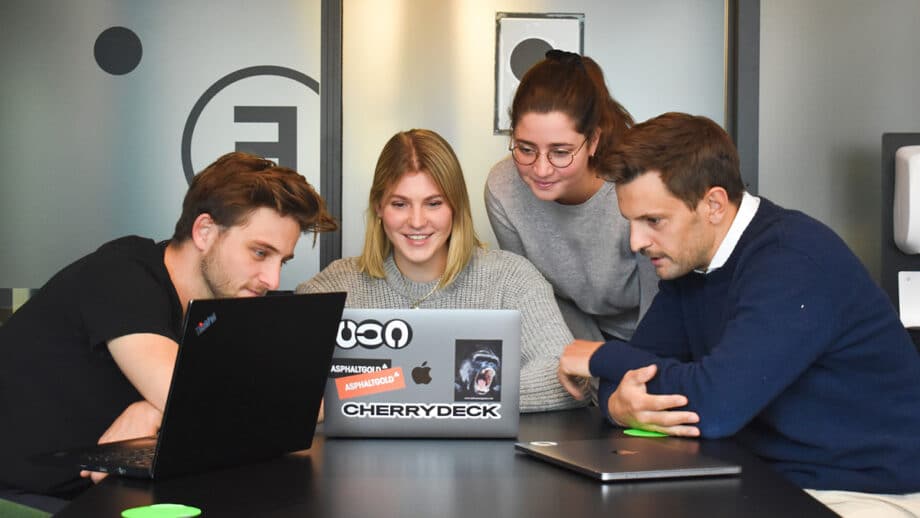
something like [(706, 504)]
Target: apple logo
[(421, 374)]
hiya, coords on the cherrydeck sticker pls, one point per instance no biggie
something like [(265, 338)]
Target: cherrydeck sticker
[(422, 410), (370, 383)]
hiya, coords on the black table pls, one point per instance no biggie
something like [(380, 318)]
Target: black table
[(457, 478)]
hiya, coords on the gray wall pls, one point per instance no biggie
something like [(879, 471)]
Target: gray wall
[(89, 156), (835, 75)]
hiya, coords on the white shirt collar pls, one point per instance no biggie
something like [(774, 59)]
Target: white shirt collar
[(746, 212)]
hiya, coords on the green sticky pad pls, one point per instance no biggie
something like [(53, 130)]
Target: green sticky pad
[(637, 432), (161, 511)]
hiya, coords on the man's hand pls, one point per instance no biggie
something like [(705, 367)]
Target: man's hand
[(631, 405), (140, 419), (573, 370)]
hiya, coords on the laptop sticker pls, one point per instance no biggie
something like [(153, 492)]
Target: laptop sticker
[(478, 370), (370, 383), (342, 367), (371, 334)]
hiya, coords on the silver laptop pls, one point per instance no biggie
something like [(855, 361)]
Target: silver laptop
[(630, 458), (425, 373)]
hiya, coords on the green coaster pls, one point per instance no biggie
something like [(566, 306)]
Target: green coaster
[(162, 511), (637, 432)]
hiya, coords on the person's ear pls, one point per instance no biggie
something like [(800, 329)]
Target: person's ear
[(716, 203), (204, 232), (594, 142)]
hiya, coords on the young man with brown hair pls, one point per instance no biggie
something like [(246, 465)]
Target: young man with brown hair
[(90, 356), (766, 327)]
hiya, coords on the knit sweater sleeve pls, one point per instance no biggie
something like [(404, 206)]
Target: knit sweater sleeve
[(340, 275), (782, 321), (543, 337), (507, 236)]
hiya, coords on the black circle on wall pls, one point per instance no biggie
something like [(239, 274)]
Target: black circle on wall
[(526, 53), (117, 50)]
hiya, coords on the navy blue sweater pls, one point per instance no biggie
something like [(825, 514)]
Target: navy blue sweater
[(793, 348)]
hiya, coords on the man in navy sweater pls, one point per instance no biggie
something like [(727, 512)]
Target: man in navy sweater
[(766, 327)]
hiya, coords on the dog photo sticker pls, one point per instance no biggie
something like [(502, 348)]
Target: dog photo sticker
[(478, 369)]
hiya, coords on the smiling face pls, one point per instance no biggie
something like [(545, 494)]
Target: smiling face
[(418, 221), (245, 260), (676, 239), (550, 134)]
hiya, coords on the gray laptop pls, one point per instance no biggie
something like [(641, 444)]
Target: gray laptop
[(630, 458), (425, 373)]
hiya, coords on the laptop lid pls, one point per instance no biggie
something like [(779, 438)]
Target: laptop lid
[(248, 380), (629, 458), (247, 386), (425, 373)]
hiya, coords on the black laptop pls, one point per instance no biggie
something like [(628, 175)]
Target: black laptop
[(247, 386)]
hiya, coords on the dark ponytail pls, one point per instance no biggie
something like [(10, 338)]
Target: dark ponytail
[(574, 85)]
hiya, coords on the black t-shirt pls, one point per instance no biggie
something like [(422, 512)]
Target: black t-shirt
[(59, 386)]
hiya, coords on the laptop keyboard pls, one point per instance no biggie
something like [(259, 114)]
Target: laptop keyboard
[(133, 454)]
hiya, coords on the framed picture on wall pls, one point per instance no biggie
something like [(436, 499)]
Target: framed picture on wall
[(522, 39)]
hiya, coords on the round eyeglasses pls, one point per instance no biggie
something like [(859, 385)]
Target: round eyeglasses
[(526, 154)]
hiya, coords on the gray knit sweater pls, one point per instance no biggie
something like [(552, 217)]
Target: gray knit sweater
[(492, 280), (582, 250)]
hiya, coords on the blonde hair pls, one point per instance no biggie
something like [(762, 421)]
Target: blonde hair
[(420, 150)]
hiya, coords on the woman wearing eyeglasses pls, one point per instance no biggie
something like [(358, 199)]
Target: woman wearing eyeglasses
[(547, 203)]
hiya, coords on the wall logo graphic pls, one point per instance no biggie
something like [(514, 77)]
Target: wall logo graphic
[(284, 148), (118, 50), (201, 103)]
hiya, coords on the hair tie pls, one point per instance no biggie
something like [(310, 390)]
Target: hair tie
[(565, 57)]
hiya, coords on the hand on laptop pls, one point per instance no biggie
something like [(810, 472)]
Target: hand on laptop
[(632, 406), (140, 419), (573, 370)]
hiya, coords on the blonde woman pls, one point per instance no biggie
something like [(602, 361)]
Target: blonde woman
[(421, 251)]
